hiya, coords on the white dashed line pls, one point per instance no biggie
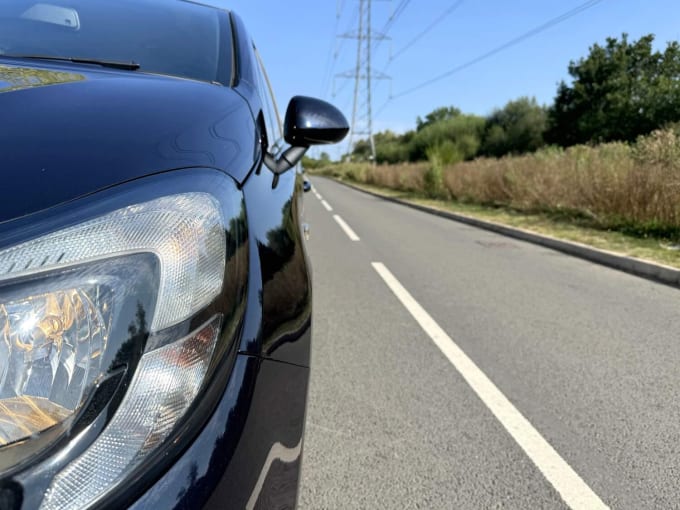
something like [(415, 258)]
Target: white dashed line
[(574, 491), (326, 205), (346, 228)]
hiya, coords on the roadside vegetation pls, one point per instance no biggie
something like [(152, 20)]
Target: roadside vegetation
[(605, 156)]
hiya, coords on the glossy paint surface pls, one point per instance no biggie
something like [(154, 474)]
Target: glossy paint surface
[(310, 121), (250, 449), (277, 249), (71, 130), (77, 141)]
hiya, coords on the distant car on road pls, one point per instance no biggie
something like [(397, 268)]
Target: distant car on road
[(155, 300)]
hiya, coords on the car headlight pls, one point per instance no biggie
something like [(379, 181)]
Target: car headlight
[(66, 300), (53, 333)]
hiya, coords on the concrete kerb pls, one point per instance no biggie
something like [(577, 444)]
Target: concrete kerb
[(645, 269)]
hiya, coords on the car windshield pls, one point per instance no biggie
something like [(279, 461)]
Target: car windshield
[(168, 37)]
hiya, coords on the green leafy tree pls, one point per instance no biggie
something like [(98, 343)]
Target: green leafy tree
[(516, 128), (438, 115), (361, 150), (312, 163), (460, 135), (390, 147), (620, 90)]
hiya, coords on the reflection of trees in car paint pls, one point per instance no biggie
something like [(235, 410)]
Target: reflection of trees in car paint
[(286, 296), (232, 304), (17, 78)]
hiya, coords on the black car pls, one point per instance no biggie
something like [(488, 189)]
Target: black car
[(155, 299)]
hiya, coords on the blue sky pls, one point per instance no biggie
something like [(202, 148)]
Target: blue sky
[(297, 42)]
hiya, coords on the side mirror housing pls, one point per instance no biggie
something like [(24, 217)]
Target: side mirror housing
[(309, 121)]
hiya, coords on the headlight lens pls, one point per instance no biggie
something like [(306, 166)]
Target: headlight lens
[(50, 352), (165, 384), (185, 232), (65, 303), (55, 338)]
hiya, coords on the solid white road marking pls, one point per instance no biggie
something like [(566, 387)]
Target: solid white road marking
[(346, 228), (326, 205), (574, 491)]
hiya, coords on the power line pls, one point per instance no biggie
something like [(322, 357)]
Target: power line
[(352, 22), (422, 34), (347, 104), (343, 86), (331, 62), (513, 42), (382, 108), (450, 10), (327, 69), (401, 7)]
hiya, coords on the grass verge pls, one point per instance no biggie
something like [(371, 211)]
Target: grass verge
[(568, 228)]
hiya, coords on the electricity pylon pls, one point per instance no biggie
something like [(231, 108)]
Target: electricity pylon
[(363, 75)]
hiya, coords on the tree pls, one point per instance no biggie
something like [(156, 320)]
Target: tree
[(620, 90), (453, 135), (516, 128), (438, 115), (311, 163), (459, 135), (361, 150), (390, 147)]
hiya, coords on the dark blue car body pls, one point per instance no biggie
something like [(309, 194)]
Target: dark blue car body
[(78, 138)]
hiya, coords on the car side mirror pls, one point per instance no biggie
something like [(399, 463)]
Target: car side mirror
[(309, 121)]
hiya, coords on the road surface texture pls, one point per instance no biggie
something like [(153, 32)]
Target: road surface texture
[(456, 368)]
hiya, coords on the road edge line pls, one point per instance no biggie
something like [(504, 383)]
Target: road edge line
[(649, 270)]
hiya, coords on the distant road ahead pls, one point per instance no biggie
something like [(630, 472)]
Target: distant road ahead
[(456, 368)]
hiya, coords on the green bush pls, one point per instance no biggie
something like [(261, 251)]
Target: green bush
[(433, 179)]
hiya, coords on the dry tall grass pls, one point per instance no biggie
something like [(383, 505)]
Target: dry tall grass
[(614, 185), (407, 177)]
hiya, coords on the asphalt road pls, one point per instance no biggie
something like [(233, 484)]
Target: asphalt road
[(520, 378)]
